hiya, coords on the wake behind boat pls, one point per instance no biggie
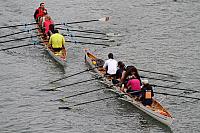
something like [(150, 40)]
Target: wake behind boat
[(156, 110)]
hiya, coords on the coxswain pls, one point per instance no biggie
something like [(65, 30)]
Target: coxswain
[(57, 41), (40, 12)]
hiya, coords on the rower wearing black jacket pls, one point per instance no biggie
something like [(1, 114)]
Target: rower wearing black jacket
[(147, 94)]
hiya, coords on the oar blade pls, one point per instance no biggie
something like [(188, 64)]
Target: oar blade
[(104, 19), (64, 108), (53, 89)]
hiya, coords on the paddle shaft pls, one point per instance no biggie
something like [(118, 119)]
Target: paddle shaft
[(18, 39), (18, 32), (88, 43), (87, 37), (174, 88), (72, 75), (81, 93), (161, 79), (16, 47), (84, 31), (17, 25), (177, 95), (85, 21), (85, 43), (156, 72), (54, 89), (87, 102)]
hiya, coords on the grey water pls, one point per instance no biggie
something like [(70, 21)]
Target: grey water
[(155, 35)]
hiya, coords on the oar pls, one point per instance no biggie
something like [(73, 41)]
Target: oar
[(86, 21), (56, 88), (73, 74), (17, 46), (18, 32), (87, 37), (84, 31), (88, 43), (17, 25), (93, 32), (18, 39), (177, 95), (156, 72), (62, 99), (70, 107), (161, 79), (174, 88)]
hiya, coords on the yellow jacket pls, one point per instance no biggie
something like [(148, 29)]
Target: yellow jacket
[(57, 40)]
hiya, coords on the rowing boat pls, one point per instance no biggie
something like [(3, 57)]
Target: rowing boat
[(156, 110), (60, 56)]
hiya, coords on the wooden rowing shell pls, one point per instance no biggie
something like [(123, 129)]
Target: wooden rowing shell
[(59, 57), (156, 110)]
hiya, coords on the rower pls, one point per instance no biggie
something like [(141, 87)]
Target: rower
[(110, 65), (40, 12), (48, 23), (57, 41), (132, 81), (146, 93), (120, 70)]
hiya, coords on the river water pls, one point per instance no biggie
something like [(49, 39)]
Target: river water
[(155, 35)]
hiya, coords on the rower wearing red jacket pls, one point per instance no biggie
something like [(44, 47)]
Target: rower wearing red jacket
[(40, 12)]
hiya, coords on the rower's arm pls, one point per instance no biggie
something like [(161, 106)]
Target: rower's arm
[(36, 12)]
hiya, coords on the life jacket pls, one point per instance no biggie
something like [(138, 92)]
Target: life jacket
[(148, 94), (41, 12), (47, 24)]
